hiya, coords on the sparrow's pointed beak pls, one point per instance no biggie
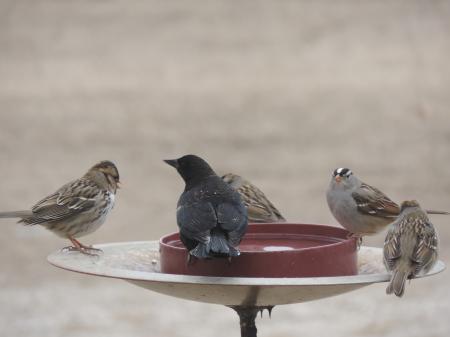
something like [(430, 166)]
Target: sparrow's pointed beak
[(119, 184), (172, 162), (338, 179)]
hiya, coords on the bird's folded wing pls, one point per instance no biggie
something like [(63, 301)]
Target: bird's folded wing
[(257, 213), (263, 213), (233, 220), (196, 220), (259, 208), (391, 250), (426, 249), (371, 201), (61, 205)]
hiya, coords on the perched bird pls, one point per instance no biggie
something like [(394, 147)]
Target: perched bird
[(410, 248), (77, 208), (210, 214), (358, 207), (259, 208)]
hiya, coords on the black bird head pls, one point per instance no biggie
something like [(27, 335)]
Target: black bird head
[(191, 168)]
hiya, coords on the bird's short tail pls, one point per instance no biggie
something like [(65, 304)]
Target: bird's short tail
[(218, 246), (15, 214), (201, 251), (431, 211), (397, 283)]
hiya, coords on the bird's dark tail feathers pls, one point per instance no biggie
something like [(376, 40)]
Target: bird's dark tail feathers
[(397, 283), (430, 211), (201, 251), (218, 246), (16, 214)]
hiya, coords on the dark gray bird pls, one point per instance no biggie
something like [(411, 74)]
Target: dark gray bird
[(259, 208), (410, 248), (211, 215)]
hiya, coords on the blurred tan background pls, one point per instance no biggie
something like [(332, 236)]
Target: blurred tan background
[(281, 92)]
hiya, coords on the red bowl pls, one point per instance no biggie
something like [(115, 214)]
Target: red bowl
[(271, 250)]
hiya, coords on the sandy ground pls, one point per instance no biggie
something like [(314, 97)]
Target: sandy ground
[(281, 92)]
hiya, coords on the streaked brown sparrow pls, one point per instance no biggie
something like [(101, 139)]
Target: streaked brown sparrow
[(410, 248), (77, 208), (259, 208)]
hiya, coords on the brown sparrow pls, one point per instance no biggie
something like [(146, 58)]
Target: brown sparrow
[(410, 248), (77, 208), (259, 208), (360, 208)]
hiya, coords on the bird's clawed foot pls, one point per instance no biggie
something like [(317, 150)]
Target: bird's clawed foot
[(358, 238), (189, 260), (79, 247), (84, 250), (359, 241)]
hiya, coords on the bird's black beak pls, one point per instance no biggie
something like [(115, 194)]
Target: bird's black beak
[(172, 162)]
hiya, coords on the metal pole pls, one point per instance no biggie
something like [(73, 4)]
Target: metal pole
[(247, 315)]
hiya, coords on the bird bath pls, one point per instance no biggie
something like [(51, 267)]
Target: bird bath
[(272, 250), (139, 264)]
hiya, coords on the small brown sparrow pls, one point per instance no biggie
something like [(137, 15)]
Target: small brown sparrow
[(360, 208), (259, 208), (410, 248), (77, 208)]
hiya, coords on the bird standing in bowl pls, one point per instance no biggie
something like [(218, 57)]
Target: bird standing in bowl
[(77, 208), (360, 208), (211, 216), (259, 208), (410, 248)]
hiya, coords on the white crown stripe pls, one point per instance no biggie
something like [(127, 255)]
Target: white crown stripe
[(343, 172)]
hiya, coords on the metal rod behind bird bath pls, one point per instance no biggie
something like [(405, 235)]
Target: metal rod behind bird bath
[(247, 316)]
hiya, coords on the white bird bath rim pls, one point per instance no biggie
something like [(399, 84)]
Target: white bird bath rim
[(138, 262)]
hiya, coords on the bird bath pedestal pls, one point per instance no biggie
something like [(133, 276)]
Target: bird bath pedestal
[(139, 263)]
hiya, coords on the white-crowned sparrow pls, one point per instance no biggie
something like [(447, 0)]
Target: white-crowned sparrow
[(77, 208), (259, 208), (358, 207), (410, 248)]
